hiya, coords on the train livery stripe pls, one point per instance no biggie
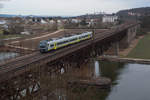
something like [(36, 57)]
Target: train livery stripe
[(55, 45), (58, 45), (78, 40)]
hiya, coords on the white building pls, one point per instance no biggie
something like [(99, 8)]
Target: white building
[(43, 21), (59, 21), (75, 21), (25, 33), (109, 19), (52, 21), (2, 22)]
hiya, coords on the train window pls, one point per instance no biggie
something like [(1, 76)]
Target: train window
[(52, 45), (59, 43), (84, 36), (42, 46), (63, 42), (73, 39), (80, 37)]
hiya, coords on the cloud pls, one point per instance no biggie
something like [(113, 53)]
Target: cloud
[(69, 7), (1, 3)]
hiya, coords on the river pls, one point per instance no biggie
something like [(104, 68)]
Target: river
[(129, 81), (7, 55)]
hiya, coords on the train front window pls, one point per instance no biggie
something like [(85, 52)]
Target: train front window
[(42, 44), (52, 45)]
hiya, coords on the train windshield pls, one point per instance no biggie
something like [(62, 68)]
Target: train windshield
[(43, 44)]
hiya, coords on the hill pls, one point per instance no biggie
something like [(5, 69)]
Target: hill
[(7, 15), (135, 12)]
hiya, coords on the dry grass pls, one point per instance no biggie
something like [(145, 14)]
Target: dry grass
[(142, 50)]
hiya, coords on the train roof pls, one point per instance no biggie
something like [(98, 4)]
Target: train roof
[(52, 40)]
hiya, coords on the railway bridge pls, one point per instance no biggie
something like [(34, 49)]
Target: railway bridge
[(21, 76)]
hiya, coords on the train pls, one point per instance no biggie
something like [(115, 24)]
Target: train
[(55, 43)]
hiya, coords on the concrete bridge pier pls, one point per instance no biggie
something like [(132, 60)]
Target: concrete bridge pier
[(123, 41), (113, 50), (116, 47), (130, 35), (26, 76)]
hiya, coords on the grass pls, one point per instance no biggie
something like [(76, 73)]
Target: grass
[(1, 32), (2, 36), (142, 50), (10, 36)]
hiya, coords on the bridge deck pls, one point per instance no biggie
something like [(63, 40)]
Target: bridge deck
[(19, 65)]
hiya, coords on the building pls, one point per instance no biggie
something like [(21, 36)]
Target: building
[(52, 21), (134, 14), (43, 21), (109, 18), (3, 23), (75, 20)]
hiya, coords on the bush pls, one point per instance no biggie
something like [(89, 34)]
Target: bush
[(1, 43), (145, 24), (5, 32)]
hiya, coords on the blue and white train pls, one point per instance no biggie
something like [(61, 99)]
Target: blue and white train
[(53, 44)]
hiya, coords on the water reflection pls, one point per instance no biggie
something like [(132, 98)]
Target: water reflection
[(7, 55), (97, 69), (111, 70), (62, 70), (133, 83), (129, 82)]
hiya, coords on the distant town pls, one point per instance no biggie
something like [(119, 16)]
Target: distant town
[(95, 56), (13, 24)]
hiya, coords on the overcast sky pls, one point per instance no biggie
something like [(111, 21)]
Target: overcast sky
[(67, 7)]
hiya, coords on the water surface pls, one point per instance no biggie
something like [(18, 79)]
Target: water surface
[(129, 81), (133, 83), (7, 55)]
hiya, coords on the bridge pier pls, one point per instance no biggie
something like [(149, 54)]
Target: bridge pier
[(123, 41), (113, 49), (129, 37), (116, 48), (35, 74)]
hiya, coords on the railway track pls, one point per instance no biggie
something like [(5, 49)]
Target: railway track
[(21, 63), (18, 64), (16, 60)]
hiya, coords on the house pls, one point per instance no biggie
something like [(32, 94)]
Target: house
[(134, 14), (3, 23), (75, 20), (109, 18), (25, 33), (92, 22), (43, 21), (52, 21), (60, 23)]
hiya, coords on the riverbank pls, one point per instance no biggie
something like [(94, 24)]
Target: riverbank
[(123, 60), (142, 49), (137, 52), (134, 43)]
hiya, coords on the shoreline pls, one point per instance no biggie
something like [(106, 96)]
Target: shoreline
[(123, 60), (125, 52)]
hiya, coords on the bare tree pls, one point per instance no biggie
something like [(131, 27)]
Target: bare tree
[(15, 25)]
